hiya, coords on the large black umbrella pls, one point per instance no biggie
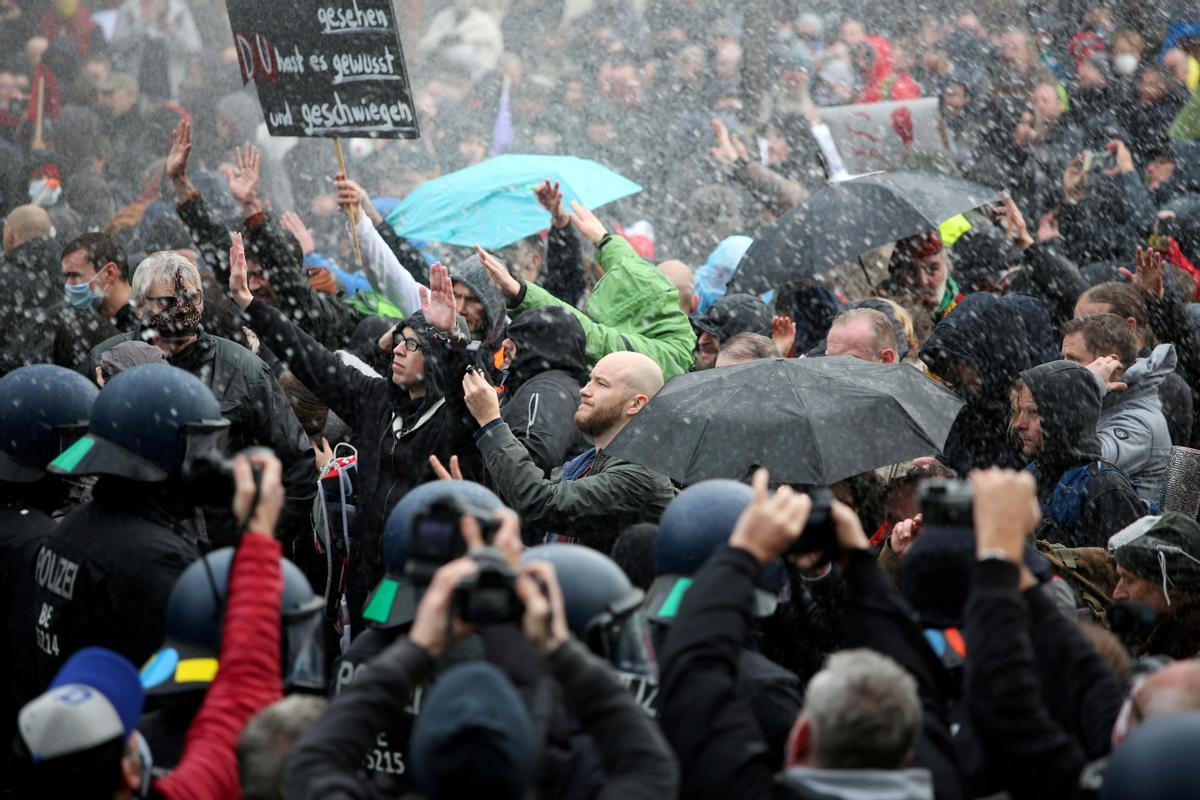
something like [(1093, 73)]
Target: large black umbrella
[(847, 218), (812, 421)]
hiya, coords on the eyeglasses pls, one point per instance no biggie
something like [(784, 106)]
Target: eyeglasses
[(169, 301), (412, 345)]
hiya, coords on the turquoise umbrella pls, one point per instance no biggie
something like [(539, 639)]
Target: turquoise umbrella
[(492, 203)]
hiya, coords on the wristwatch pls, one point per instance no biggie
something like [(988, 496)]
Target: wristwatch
[(995, 554)]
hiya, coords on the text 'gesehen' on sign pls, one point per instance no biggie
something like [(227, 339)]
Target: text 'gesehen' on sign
[(325, 67)]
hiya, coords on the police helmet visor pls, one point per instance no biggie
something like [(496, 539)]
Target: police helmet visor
[(304, 648)]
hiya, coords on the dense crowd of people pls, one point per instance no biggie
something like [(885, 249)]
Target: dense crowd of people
[(295, 505)]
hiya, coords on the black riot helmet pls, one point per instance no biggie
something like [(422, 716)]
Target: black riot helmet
[(189, 658), (148, 422), (43, 410), (603, 607)]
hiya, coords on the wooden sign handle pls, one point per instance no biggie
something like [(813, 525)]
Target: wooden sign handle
[(351, 214)]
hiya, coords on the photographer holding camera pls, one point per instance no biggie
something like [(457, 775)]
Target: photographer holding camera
[(474, 736), (864, 717)]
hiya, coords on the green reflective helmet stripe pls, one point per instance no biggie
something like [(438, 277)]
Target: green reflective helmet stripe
[(670, 606), (380, 606), (69, 459)]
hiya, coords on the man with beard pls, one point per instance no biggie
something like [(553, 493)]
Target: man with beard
[(167, 296), (592, 497), (920, 269)]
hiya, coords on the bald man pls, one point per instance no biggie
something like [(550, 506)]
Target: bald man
[(25, 224), (681, 275), (592, 497)]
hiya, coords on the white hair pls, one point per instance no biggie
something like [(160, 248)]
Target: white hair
[(162, 266), (864, 712)]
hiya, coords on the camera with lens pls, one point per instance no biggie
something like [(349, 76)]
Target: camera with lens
[(820, 533), (489, 597), (947, 503), (209, 477), (436, 537)]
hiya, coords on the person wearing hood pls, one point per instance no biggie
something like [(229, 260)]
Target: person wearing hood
[(711, 278), (481, 304), (1132, 429), (1127, 303), (398, 422), (541, 390), (634, 307), (1085, 499), (1158, 564), (731, 315), (979, 350)]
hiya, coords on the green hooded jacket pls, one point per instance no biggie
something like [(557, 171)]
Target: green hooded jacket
[(633, 307)]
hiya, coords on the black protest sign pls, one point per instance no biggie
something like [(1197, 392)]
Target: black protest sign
[(325, 67)]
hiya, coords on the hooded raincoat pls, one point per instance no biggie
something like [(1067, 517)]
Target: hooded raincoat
[(987, 335), (1068, 399), (1132, 429)]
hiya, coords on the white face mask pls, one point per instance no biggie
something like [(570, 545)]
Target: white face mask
[(1125, 64)]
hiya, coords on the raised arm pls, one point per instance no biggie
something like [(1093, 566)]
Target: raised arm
[(342, 388), (563, 275), (250, 676), (393, 280)]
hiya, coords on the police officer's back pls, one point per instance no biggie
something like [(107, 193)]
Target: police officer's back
[(105, 575)]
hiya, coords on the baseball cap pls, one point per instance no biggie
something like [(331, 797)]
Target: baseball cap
[(96, 697), (734, 314)]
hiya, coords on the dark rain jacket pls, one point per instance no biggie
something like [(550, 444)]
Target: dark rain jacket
[(712, 729), (1108, 222), (394, 434), (563, 275), (22, 531), (1169, 319), (1052, 278), (36, 326), (986, 333), (325, 762), (592, 510), (257, 409), (1042, 701), (322, 315), (1068, 399), (104, 576), (541, 392)]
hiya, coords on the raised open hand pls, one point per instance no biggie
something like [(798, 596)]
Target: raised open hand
[(783, 334), (509, 286), (729, 149), (550, 196), (243, 184), (437, 302), (587, 223), (1013, 220), (292, 223), (1147, 276), (181, 148), (239, 286)]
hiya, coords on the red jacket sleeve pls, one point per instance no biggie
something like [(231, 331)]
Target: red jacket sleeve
[(248, 679)]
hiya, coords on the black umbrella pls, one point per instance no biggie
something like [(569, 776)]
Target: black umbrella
[(847, 218), (812, 421)]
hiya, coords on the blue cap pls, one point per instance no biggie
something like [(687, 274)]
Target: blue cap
[(95, 698)]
